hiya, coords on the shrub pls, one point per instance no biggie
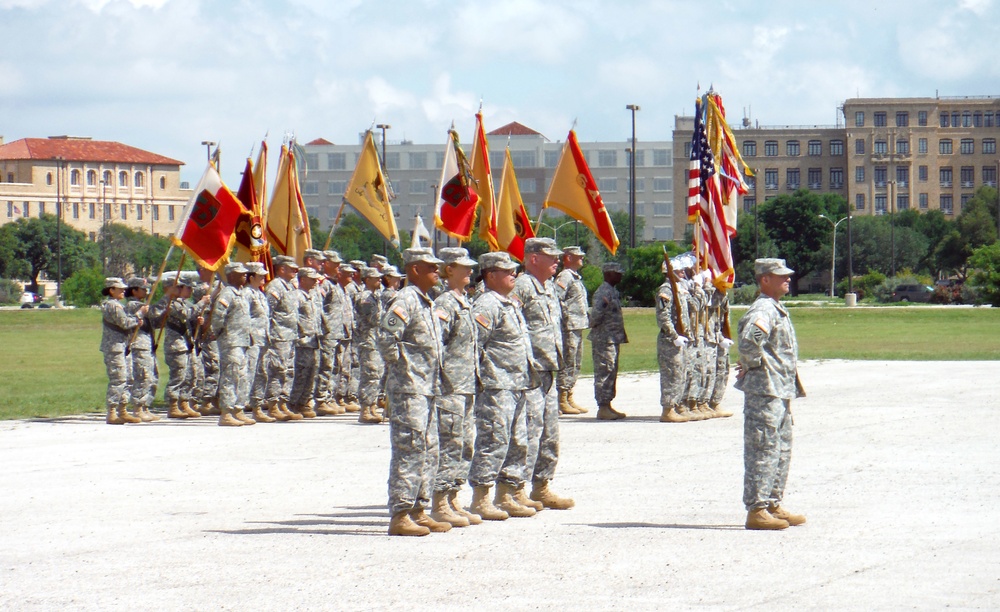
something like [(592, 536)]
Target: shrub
[(883, 291), (985, 278), (84, 287), (863, 285), (593, 277), (743, 295), (10, 291)]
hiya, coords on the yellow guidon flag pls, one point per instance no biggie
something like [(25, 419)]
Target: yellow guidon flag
[(287, 220), (368, 193), (480, 162)]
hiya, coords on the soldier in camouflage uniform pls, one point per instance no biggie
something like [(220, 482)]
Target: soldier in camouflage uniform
[(231, 328), (607, 334), (543, 314), (368, 315), (695, 351), (332, 317), (456, 427), (174, 313), (505, 373), (118, 327), (719, 312), (767, 374), (353, 290), (306, 346), (206, 346), (345, 352), (670, 343), (573, 300), (279, 361), (255, 382), (142, 358), (411, 346), (391, 279)]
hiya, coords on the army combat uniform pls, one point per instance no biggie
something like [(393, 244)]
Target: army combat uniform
[(279, 360), (607, 334), (231, 328), (572, 295), (117, 330), (142, 359), (670, 351)]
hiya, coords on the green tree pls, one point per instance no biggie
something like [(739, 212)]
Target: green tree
[(130, 252), (746, 246), (644, 272), (32, 246), (872, 245), (84, 287), (934, 226), (985, 265), (974, 228)]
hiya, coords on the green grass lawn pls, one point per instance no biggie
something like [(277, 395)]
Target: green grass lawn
[(50, 364)]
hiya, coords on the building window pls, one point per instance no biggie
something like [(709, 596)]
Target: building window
[(663, 209), (41, 209), (336, 161), (836, 147), (749, 203), (968, 176), (836, 178), (439, 159), (964, 199), (859, 119), (640, 158), (640, 185), (751, 181), (310, 188), (878, 119), (496, 160), (944, 146), (138, 212), (859, 146), (661, 183), (523, 159), (902, 176), (990, 175), (607, 185), (771, 178), (529, 185), (988, 119), (27, 209), (76, 210), (815, 178), (418, 161), (815, 148), (663, 233), (312, 161), (880, 203), (944, 120), (124, 216), (989, 146), (749, 148), (138, 179), (922, 118), (792, 174), (336, 187), (92, 211), (661, 157), (922, 174), (977, 119), (163, 183), (10, 177), (922, 146), (859, 201), (903, 147), (880, 176), (966, 119), (552, 158), (771, 148), (954, 119), (91, 178), (170, 213), (10, 209), (945, 176), (947, 204), (792, 148), (392, 160), (859, 174), (74, 178), (418, 186), (902, 201), (902, 119), (48, 178), (922, 200), (106, 177), (607, 158), (967, 146), (123, 179), (880, 147), (156, 212)]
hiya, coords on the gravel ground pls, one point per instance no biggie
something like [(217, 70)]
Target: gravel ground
[(894, 464)]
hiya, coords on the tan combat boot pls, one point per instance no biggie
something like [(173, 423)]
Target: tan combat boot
[(402, 525), (242, 416), (421, 518), (606, 413), (261, 417), (125, 415), (564, 406), (148, 416), (780, 513), (292, 416), (505, 501), (540, 492), (572, 402), (670, 415), (521, 497), (112, 418), (442, 512), (185, 407), (275, 413), (474, 519), (720, 412), (201, 409), (351, 405), (482, 505), (325, 409), (307, 410), (761, 519), (226, 419), (175, 412)]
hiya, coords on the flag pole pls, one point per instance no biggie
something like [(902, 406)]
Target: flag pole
[(163, 323), (333, 226), (149, 298)]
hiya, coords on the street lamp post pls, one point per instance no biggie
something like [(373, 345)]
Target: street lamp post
[(892, 227), (383, 127), (104, 226), (555, 230), (833, 251), (59, 172), (756, 202), (631, 186), (850, 264)]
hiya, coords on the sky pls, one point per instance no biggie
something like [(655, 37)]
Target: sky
[(164, 75)]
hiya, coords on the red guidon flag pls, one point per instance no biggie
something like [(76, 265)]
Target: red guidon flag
[(207, 229), (457, 200)]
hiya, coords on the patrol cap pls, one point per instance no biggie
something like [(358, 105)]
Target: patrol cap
[(372, 273), (348, 268), (357, 264), (574, 250), (684, 261), (419, 254), (236, 267), (138, 282), (456, 255), (379, 261), (285, 260), (771, 265), (256, 267), (188, 280), (332, 256), (307, 272), (545, 246), (315, 254), (114, 282), (391, 270), (612, 266), (499, 260)]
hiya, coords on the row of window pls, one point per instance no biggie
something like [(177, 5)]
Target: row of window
[(793, 178), (946, 146), (793, 148), (954, 119), (946, 202), (89, 209), (527, 185), (967, 175), (418, 160), (75, 176)]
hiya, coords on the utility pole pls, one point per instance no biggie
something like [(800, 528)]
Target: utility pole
[(631, 186)]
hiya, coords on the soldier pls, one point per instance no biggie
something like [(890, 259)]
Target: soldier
[(309, 321), (411, 345), (391, 279), (671, 317), (607, 333), (379, 262), (456, 428), (697, 363), (332, 316), (174, 313), (142, 357), (252, 391), (573, 299), (206, 346), (505, 373), (719, 312), (767, 373), (351, 403), (118, 326), (231, 328), (368, 311), (542, 312), (283, 302)]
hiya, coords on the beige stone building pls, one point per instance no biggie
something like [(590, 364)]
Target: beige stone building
[(95, 182)]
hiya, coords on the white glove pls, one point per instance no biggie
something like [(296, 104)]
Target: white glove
[(726, 343), (680, 342)]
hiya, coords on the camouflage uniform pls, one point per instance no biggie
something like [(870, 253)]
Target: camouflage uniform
[(720, 304), (456, 424), (607, 333), (118, 326), (504, 364), (332, 317), (673, 370), (279, 361), (371, 367), (304, 380), (177, 346), (695, 351), (231, 328), (207, 361), (354, 373), (143, 359), (710, 345), (345, 350), (256, 381), (543, 315), (573, 299), (768, 356), (411, 346)]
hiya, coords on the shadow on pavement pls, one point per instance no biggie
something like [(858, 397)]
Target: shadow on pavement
[(662, 526), (315, 526)]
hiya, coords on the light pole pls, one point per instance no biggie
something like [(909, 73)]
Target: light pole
[(59, 169), (555, 230), (631, 185), (756, 201), (892, 226), (383, 127), (208, 144), (850, 264), (833, 251), (104, 226)]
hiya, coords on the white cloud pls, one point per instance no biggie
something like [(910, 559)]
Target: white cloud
[(536, 29), (979, 7)]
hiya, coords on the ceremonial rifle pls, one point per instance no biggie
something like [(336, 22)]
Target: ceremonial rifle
[(673, 289)]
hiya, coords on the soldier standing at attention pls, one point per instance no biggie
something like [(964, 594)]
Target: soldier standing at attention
[(345, 352), (178, 344), (252, 391), (332, 316), (283, 302), (573, 300), (720, 310), (118, 326), (304, 381), (542, 313), (231, 328), (207, 353), (607, 334), (142, 356), (369, 315), (411, 346), (767, 374), (671, 315)]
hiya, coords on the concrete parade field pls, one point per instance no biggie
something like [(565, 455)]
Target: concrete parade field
[(895, 464)]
